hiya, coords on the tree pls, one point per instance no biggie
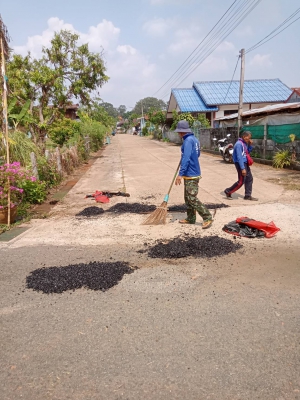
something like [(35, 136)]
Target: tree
[(65, 71), (157, 118), (99, 113), (190, 119), (110, 109), (122, 110), (147, 104)]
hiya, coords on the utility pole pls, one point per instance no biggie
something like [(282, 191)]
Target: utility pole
[(240, 122)]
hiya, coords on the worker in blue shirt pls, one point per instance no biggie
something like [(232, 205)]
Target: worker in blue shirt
[(190, 172), (240, 159)]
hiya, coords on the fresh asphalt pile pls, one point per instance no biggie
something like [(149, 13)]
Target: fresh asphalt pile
[(210, 206), (206, 247), (133, 208), (88, 212), (94, 275)]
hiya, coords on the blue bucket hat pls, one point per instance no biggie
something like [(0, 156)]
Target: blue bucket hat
[(183, 126)]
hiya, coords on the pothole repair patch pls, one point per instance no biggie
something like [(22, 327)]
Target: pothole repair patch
[(94, 275), (209, 246)]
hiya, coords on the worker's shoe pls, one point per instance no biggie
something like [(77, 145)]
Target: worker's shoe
[(250, 198), (228, 195), (185, 221), (207, 224)]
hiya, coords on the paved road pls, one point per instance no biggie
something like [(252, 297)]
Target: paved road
[(221, 328)]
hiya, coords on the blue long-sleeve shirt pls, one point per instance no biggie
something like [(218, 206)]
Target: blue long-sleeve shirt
[(239, 153), (190, 153)]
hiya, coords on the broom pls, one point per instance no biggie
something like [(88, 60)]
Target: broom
[(159, 216)]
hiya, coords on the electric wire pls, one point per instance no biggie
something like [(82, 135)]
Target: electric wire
[(270, 37), (213, 43), (197, 46), (232, 77), (236, 9)]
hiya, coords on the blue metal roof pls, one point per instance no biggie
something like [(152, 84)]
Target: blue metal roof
[(188, 100), (255, 91)]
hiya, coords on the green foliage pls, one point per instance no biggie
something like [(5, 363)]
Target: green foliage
[(66, 70), (23, 116), (35, 192), (110, 109), (282, 159), (95, 131), (147, 104), (157, 117), (62, 130), (145, 131), (48, 172), (98, 113), (190, 119), (20, 148)]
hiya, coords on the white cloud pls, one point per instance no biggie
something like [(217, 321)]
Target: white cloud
[(101, 36), (261, 61), (158, 26), (131, 74), (185, 40)]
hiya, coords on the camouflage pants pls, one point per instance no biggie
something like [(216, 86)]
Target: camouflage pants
[(193, 203)]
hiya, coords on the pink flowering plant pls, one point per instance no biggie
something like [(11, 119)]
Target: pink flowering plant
[(9, 176), (12, 178)]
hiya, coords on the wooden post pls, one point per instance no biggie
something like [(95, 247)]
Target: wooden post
[(47, 154), (34, 165), (240, 111), (58, 161), (5, 121), (265, 140)]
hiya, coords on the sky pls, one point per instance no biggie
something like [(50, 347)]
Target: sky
[(143, 42)]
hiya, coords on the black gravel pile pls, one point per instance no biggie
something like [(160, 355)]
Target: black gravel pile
[(182, 207), (133, 208), (94, 276), (209, 246), (92, 211)]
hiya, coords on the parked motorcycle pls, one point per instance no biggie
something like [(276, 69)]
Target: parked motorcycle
[(225, 148)]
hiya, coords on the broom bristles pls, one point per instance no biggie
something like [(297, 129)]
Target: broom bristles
[(159, 216)]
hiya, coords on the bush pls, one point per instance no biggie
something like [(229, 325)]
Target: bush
[(95, 131), (62, 130), (35, 192), (282, 159), (20, 147)]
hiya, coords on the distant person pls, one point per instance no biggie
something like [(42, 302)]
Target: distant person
[(113, 133), (191, 174), (241, 161)]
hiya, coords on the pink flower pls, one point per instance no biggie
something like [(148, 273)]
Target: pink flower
[(33, 178)]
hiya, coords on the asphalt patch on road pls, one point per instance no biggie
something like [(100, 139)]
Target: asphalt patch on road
[(89, 212), (133, 208), (94, 275), (183, 208), (204, 247)]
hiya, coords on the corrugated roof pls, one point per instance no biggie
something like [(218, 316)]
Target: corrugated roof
[(188, 100), (272, 109), (255, 91)]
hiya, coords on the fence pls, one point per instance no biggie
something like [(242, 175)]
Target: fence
[(64, 162)]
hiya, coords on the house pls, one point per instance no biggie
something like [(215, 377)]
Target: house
[(295, 96), (217, 99), (71, 111)]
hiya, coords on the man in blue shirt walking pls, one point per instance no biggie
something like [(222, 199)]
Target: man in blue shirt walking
[(191, 174), (242, 146)]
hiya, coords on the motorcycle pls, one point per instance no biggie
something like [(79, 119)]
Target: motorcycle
[(225, 148)]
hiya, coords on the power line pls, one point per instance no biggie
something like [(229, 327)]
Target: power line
[(231, 13), (197, 46), (273, 33), (220, 41), (215, 41), (232, 77)]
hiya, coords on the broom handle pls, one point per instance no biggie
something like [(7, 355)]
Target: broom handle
[(167, 195)]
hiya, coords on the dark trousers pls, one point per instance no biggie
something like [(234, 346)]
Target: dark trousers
[(191, 187), (242, 180)]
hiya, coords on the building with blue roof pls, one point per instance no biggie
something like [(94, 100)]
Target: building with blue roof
[(217, 99)]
